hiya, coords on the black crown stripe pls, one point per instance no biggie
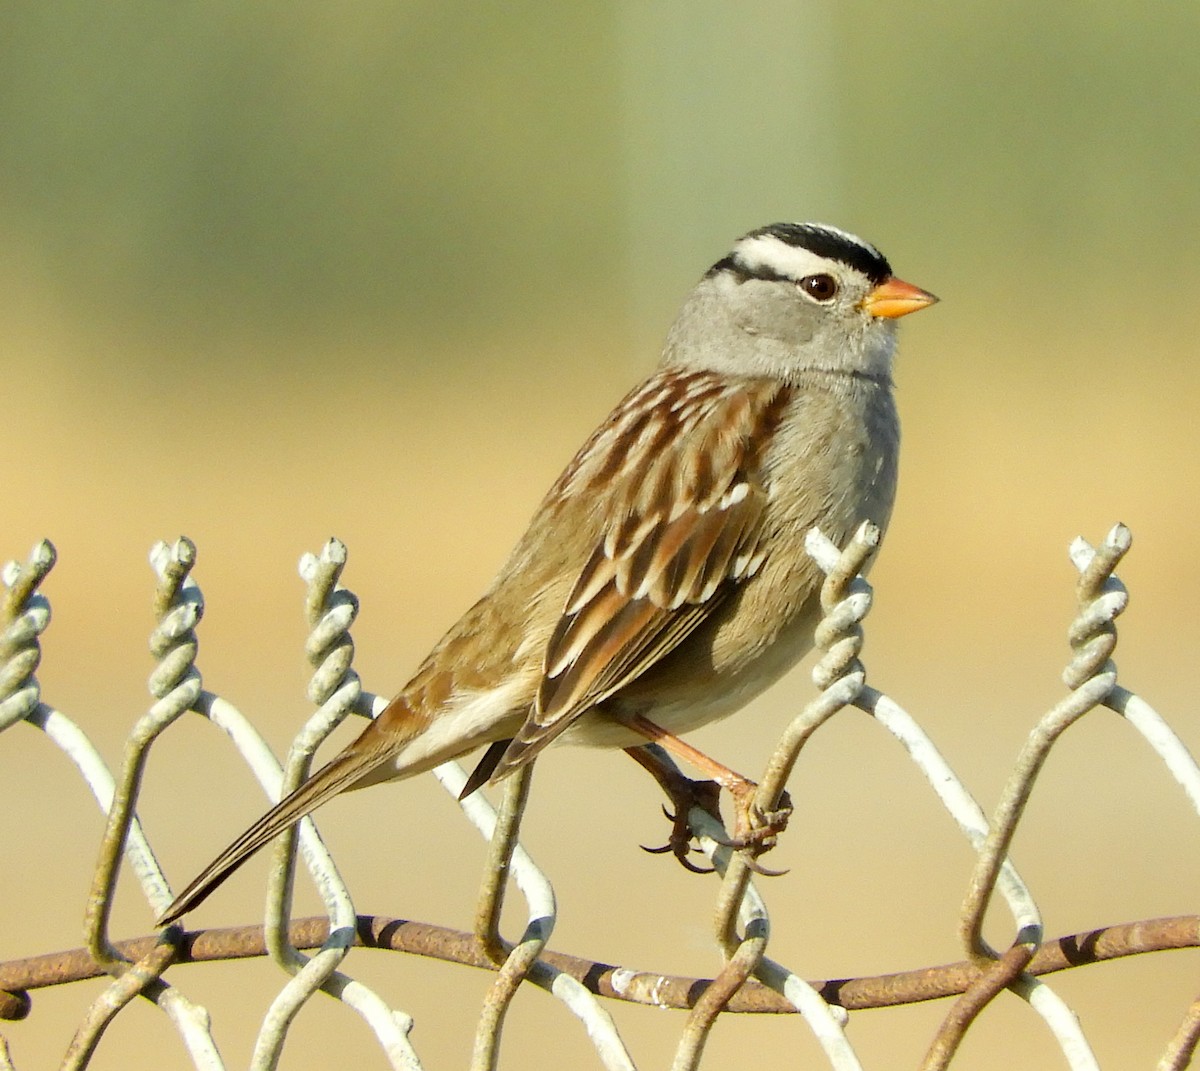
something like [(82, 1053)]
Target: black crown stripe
[(816, 239)]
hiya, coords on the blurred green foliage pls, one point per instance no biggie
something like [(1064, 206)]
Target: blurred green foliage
[(292, 160), (298, 165)]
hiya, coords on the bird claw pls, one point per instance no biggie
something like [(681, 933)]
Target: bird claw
[(681, 854), (685, 795), (756, 831)]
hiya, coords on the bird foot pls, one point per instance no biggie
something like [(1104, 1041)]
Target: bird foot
[(685, 794), (755, 831)]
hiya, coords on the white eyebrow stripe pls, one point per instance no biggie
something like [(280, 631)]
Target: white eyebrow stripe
[(790, 261)]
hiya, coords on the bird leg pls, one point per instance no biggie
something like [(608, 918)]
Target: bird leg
[(754, 829), (684, 794)]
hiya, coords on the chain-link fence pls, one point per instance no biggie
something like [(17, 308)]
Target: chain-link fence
[(312, 952)]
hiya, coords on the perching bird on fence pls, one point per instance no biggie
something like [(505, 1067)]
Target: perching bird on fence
[(663, 582)]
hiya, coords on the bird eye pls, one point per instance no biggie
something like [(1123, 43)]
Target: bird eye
[(819, 287)]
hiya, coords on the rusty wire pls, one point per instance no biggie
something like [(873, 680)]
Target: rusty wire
[(748, 980)]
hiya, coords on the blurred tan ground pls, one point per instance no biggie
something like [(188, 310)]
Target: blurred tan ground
[(1052, 393)]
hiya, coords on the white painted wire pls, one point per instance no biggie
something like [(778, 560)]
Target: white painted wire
[(542, 911), (177, 685)]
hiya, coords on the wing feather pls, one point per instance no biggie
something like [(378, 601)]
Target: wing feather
[(683, 487)]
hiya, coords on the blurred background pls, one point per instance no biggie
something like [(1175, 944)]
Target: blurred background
[(276, 272)]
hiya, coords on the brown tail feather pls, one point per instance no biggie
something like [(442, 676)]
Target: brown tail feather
[(347, 767), (520, 751)]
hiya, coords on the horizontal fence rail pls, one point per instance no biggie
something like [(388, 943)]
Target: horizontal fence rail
[(313, 953)]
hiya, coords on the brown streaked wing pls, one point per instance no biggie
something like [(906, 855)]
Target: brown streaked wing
[(668, 556)]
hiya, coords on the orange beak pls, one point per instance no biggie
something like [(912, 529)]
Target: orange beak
[(894, 297)]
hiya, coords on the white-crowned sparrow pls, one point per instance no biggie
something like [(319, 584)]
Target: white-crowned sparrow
[(663, 581)]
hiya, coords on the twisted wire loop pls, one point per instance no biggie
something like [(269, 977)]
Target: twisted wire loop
[(24, 615), (336, 689), (845, 599), (747, 978), (1093, 636), (1092, 676), (175, 684), (514, 962), (519, 962)]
